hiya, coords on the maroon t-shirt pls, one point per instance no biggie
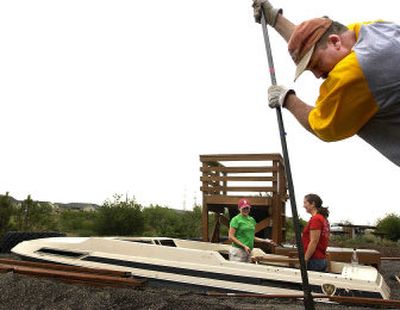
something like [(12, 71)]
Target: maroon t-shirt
[(317, 222)]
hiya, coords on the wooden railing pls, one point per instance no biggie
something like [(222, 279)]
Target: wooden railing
[(256, 174)]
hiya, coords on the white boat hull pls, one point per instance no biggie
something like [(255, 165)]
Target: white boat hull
[(200, 264)]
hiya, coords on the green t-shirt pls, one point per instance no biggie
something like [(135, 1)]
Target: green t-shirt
[(245, 227)]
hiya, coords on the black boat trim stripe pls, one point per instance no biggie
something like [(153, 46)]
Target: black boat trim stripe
[(225, 277)]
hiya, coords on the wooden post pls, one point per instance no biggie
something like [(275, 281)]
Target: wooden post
[(204, 222), (204, 210), (216, 230)]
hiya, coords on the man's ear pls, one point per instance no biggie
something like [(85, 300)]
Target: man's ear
[(335, 40)]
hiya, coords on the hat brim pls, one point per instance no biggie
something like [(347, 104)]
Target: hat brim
[(303, 63)]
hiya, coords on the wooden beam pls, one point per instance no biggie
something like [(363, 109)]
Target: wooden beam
[(224, 220), (204, 222), (339, 299), (263, 224), (244, 179), (215, 233), (275, 259), (276, 218), (267, 296), (263, 189), (366, 301), (52, 266), (261, 169), (71, 275), (390, 257), (240, 157), (233, 200)]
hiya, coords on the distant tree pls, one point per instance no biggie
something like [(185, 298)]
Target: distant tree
[(163, 221), (191, 223), (390, 226), (32, 215), (119, 217), (167, 222), (290, 234), (6, 211), (77, 222)]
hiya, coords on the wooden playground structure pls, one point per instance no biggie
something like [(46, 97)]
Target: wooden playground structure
[(259, 177)]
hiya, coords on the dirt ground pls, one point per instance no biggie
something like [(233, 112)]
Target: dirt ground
[(26, 292)]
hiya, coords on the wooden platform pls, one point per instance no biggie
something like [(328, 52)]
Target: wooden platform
[(258, 177)]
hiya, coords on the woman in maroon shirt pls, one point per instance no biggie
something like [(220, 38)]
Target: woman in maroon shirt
[(316, 234)]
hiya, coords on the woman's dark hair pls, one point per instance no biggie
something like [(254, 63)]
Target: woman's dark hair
[(317, 201)]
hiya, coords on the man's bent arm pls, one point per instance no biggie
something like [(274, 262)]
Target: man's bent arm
[(299, 109), (284, 27)]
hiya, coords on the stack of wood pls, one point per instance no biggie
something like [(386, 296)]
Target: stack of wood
[(71, 274)]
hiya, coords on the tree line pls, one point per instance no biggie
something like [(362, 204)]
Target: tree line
[(126, 217), (116, 216)]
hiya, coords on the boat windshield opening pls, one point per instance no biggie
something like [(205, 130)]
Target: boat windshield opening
[(167, 242), (224, 253), (61, 252), (139, 241)]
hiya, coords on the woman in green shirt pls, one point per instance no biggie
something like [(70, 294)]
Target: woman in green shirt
[(241, 233)]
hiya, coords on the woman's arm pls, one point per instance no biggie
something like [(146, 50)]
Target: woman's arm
[(266, 240), (314, 238), (232, 238)]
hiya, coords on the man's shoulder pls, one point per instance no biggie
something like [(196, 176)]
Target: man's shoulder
[(357, 26)]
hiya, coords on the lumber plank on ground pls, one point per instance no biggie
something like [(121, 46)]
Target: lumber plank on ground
[(73, 275), (265, 296), (339, 299), (366, 301), (5, 269), (54, 266)]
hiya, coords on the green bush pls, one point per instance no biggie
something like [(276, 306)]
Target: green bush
[(77, 222), (117, 217), (6, 211), (390, 226), (162, 221), (290, 233), (366, 241)]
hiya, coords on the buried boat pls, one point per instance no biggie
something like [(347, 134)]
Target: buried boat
[(202, 265)]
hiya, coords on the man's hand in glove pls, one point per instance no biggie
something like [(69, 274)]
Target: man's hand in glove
[(277, 95), (270, 13)]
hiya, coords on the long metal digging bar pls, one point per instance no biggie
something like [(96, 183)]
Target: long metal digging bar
[(308, 299)]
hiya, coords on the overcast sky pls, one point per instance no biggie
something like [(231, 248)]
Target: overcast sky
[(103, 97)]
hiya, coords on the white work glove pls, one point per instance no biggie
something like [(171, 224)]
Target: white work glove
[(270, 13), (277, 95)]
